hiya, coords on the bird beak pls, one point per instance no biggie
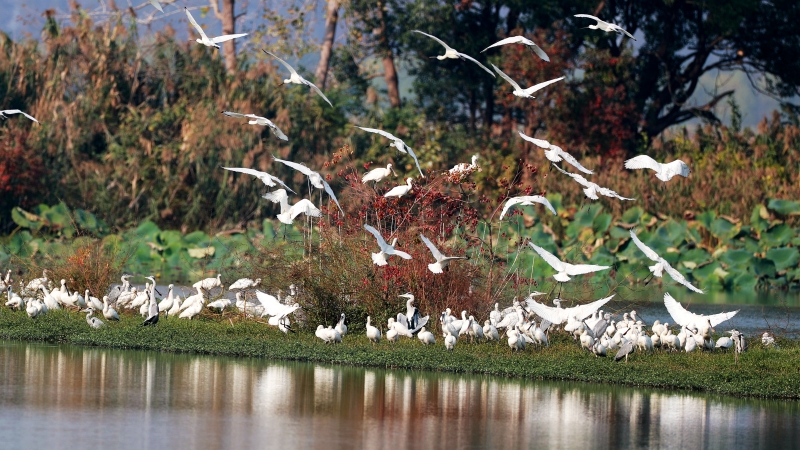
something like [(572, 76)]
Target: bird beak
[(159, 293)]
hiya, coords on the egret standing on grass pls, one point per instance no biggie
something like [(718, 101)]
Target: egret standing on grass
[(525, 93), (288, 214), (152, 317), (15, 111), (379, 259), (204, 39), (373, 334), (399, 191), (526, 200), (314, 178), (295, 77), (558, 315), (664, 172), (555, 153), (592, 189), (258, 120), (442, 261), (565, 270), (661, 265), (451, 53), (605, 26), (524, 41), (397, 143), (93, 322)]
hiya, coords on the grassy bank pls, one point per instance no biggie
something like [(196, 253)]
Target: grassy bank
[(759, 373)]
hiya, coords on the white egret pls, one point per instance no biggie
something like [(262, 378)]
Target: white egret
[(442, 261), (524, 41), (49, 301), (333, 335), (592, 189), (564, 269), (152, 311), (244, 283), (378, 174), (295, 77), (490, 332), (94, 302), (166, 303), (496, 315), (176, 307), (526, 200), (275, 309), (451, 53), (288, 214), (93, 322), (391, 334), (314, 178), (515, 340), (340, 326), (687, 319), (768, 340), (267, 179), (15, 111), (387, 250), (156, 5), (461, 170), (220, 304), (258, 120), (373, 334), (605, 26), (661, 265), (108, 312), (426, 337), (399, 191), (205, 39), (208, 283), (528, 92), (664, 172), (397, 143), (192, 310), (14, 300), (724, 343), (449, 341), (559, 315), (555, 153), (36, 284)]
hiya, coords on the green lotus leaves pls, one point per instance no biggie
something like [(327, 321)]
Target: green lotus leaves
[(783, 258), (696, 255), (723, 229), (736, 258), (759, 218), (555, 200), (672, 232), (706, 218), (632, 215), (777, 236), (743, 282), (147, 230), (763, 267), (784, 207), (601, 223)]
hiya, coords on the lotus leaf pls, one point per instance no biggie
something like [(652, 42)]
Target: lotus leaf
[(723, 229), (147, 230), (602, 257), (86, 220), (632, 215), (57, 216), (601, 223), (25, 219), (696, 255), (168, 237), (706, 218), (703, 272), (777, 236), (744, 282), (784, 207), (619, 233), (672, 232), (763, 267), (750, 244), (195, 238), (784, 257), (736, 257), (555, 200)]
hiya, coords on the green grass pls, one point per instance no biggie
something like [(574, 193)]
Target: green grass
[(764, 373)]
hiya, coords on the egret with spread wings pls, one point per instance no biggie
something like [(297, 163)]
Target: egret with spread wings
[(661, 265), (451, 53), (267, 179), (525, 93), (205, 40), (314, 178), (525, 201), (258, 120), (592, 189), (397, 143), (524, 41), (564, 269), (295, 77), (664, 172), (442, 261), (387, 250), (555, 153)]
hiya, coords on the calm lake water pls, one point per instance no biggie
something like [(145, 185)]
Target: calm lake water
[(54, 397)]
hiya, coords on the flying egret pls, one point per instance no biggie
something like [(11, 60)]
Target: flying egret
[(558, 315), (565, 269), (204, 39), (592, 189), (295, 77), (526, 201), (661, 265), (687, 319), (156, 5), (378, 174), (463, 169), (397, 143), (399, 191), (93, 322), (379, 258), (15, 111), (605, 26), (525, 93), (521, 40), (314, 178), (451, 53), (664, 172), (555, 153), (441, 260), (373, 334), (288, 214), (258, 120), (267, 179)]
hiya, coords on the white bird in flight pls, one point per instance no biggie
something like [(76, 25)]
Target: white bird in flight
[(15, 111), (441, 260), (288, 213), (399, 191), (685, 318), (379, 259), (661, 265), (204, 39), (605, 26), (525, 93), (521, 40), (378, 174), (451, 53), (555, 153), (592, 189), (664, 172), (258, 120), (265, 178), (295, 77), (558, 315), (526, 201), (156, 5), (314, 177), (565, 269), (397, 143)]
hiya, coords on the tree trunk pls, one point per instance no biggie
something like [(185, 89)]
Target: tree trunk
[(389, 69), (327, 44), (228, 26)]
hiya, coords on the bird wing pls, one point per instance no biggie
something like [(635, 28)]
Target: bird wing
[(609, 193), (680, 315), (464, 56), (296, 166), (509, 203), (381, 242), (538, 142), (227, 37), (507, 78), (304, 206), (272, 307), (581, 312), (551, 314), (156, 5), (580, 269), (619, 28), (395, 252), (676, 167), (541, 200), (314, 87), (551, 259), (510, 40), (253, 172), (582, 181), (447, 47), (541, 85), (237, 115), (590, 17), (643, 162), (570, 159), (276, 196), (416, 161), (527, 200), (717, 319), (261, 176), (677, 276), (328, 189), (377, 131), (285, 64), (195, 24), (437, 255), (539, 52), (276, 131), (645, 249), (16, 111)]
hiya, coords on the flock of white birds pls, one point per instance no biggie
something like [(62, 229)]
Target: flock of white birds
[(597, 331)]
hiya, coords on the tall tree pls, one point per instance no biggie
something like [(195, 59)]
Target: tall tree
[(327, 44), (228, 19)]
